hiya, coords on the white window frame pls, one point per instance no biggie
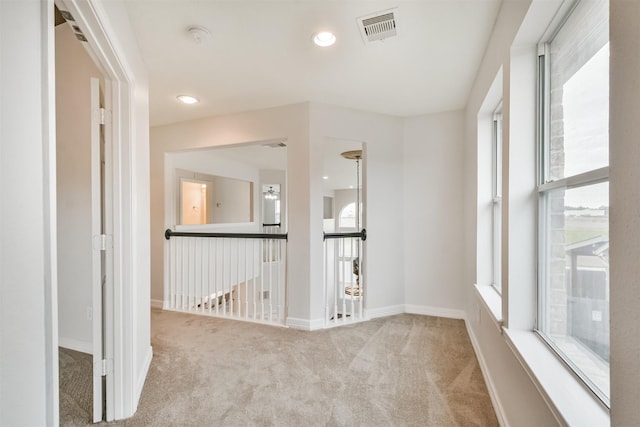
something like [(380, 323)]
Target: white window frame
[(496, 197), (546, 185)]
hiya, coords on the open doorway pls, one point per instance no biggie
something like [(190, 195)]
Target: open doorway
[(80, 173)]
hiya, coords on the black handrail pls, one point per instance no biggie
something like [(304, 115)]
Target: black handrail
[(271, 225), (361, 234), (170, 233)]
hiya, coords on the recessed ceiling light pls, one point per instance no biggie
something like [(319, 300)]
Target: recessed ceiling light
[(325, 177), (324, 38), (186, 99)]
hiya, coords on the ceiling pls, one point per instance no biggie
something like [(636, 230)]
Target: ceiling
[(260, 55)]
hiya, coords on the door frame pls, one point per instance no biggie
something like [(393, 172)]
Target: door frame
[(121, 392)]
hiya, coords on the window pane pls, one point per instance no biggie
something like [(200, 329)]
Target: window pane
[(575, 285), (579, 93)]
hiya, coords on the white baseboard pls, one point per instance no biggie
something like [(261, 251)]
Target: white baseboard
[(76, 345), (424, 310), (434, 311), (143, 374), (305, 324), (493, 394), (157, 303), (391, 310)]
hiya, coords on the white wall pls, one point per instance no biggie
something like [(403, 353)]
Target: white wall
[(28, 300), (74, 68), (433, 212)]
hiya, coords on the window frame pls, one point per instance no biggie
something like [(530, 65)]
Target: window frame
[(496, 198), (544, 186)]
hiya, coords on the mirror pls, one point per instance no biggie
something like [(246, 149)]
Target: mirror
[(212, 199), (271, 205), (239, 187), (343, 178)]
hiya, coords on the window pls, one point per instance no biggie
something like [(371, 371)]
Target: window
[(347, 216), (496, 196), (573, 271)]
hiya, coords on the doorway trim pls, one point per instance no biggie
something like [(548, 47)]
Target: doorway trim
[(122, 391)]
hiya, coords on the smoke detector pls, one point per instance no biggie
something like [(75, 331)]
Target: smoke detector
[(377, 26)]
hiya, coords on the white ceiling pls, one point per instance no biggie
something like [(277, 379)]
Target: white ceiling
[(260, 55)]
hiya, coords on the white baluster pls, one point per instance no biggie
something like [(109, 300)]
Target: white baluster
[(172, 273), (246, 279), (262, 279), (218, 268), (254, 259)]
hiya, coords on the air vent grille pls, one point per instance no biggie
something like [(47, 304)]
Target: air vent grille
[(275, 145), (379, 26)]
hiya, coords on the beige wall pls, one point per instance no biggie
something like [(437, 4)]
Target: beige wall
[(74, 68), (625, 205), (433, 211)]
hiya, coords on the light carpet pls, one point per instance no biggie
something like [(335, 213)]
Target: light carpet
[(404, 370)]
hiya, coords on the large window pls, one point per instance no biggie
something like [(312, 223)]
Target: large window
[(573, 309)]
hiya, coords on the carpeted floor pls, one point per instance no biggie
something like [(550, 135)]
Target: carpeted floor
[(405, 370), (76, 390)]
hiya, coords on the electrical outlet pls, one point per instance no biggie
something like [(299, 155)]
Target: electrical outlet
[(89, 313)]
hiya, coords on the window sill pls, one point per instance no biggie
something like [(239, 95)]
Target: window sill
[(492, 301), (569, 399)]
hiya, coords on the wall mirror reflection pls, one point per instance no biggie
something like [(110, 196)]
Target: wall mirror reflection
[(212, 199), (243, 186), (343, 179), (271, 205)]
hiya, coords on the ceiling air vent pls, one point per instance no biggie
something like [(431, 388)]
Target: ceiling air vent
[(276, 144), (378, 26)]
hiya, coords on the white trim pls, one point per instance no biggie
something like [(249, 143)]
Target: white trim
[(565, 395), (493, 392), (143, 373), (305, 324), (49, 210), (586, 178), (76, 345), (391, 310), (492, 301), (426, 310), (157, 303)]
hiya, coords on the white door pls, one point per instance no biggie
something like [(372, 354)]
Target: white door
[(100, 367)]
